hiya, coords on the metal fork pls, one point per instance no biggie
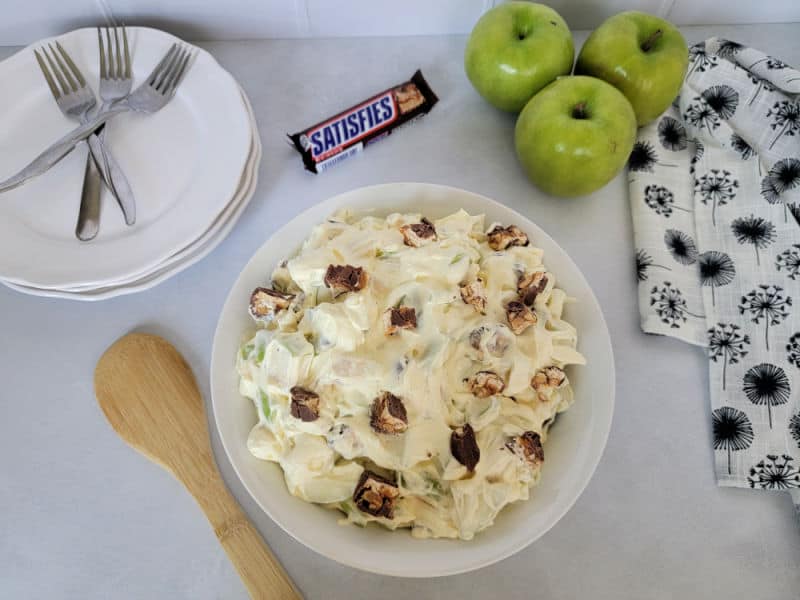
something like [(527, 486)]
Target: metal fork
[(75, 99), (115, 83), (151, 96)]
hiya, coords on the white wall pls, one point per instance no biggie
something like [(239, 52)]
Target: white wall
[(24, 21)]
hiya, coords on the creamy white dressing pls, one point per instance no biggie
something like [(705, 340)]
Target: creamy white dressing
[(338, 348)]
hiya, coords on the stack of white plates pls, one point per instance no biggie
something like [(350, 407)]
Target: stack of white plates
[(192, 166)]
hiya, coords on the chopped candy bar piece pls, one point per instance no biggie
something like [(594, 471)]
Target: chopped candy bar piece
[(375, 495), (266, 303), (549, 377), (501, 238), (464, 447), (486, 383), (305, 404), (401, 317), (475, 295), (387, 414), (345, 278), (418, 234), (530, 286), (528, 447), (520, 317)]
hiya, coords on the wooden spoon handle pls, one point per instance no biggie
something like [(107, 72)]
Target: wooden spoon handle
[(262, 574)]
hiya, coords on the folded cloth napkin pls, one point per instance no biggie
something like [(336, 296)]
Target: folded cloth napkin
[(715, 197)]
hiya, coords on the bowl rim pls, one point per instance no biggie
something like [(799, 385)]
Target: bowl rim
[(328, 206)]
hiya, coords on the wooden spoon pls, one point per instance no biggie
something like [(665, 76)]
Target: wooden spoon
[(150, 397)]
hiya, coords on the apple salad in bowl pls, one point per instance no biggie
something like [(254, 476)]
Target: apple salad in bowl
[(406, 371)]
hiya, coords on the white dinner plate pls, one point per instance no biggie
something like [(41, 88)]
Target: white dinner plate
[(242, 196), (175, 264), (184, 164), (186, 256), (183, 259), (573, 449)]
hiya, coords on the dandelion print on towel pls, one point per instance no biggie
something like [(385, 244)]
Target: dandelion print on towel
[(716, 269), (766, 384), (699, 150), (785, 119), (753, 230), (762, 85), (643, 262), (784, 175), (744, 149), (723, 99), (794, 208), (699, 114), (701, 60), (767, 303), (793, 350), (794, 427), (732, 431), (727, 343), (769, 190), (776, 64), (790, 261), (717, 188), (728, 49), (775, 473), (661, 200), (670, 305), (672, 134), (642, 158), (681, 246), (773, 64)]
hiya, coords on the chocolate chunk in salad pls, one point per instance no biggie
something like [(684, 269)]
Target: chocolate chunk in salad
[(418, 234), (345, 278), (549, 377), (520, 317), (486, 383), (528, 447), (474, 294), (530, 286), (464, 447), (305, 404), (388, 414), (375, 495), (400, 317), (265, 303), (501, 238)]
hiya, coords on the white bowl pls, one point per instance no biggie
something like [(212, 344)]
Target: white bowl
[(573, 450)]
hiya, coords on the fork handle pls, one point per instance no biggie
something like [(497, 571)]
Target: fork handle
[(60, 149), (114, 177), (89, 214)]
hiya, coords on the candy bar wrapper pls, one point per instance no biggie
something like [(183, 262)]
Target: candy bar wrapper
[(333, 140)]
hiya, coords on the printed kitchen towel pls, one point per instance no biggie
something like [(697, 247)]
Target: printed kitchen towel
[(715, 198)]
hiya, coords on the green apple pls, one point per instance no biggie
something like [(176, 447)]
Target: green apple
[(515, 50), (575, 135), (643, 56)]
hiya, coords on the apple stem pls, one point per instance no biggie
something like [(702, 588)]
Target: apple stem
[(648, 43), (579, 112)]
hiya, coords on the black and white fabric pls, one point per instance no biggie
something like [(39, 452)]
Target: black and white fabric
[(715, 196)]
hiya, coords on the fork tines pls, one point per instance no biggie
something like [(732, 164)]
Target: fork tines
[(69, 77), (168, 73), (115, 61)]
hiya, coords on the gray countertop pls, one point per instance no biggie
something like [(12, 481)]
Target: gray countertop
[(84, 516)]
